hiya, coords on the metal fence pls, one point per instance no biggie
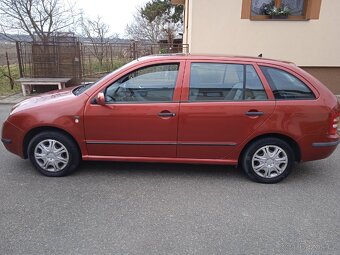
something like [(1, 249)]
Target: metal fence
[(8, 52), (83, 61)]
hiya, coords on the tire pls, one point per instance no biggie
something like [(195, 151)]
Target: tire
[(268, 160), (53, 153)]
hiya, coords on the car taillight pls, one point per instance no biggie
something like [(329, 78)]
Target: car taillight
[(334, 123)]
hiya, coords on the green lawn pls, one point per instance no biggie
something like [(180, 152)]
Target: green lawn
[(5, 86), (92, 67)]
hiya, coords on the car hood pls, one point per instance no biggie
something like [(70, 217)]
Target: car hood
[(48, 98)]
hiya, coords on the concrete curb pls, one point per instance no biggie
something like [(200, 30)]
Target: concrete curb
[(13, 99)]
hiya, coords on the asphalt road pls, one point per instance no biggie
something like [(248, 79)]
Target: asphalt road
[(133, 208)]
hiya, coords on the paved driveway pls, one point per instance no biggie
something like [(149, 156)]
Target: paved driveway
[(130, 208)]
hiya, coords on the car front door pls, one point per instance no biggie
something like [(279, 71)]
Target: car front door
[(221, 105), (140, 115)]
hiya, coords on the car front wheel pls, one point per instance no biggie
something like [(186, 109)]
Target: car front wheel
[(53, 153), (268, 160)]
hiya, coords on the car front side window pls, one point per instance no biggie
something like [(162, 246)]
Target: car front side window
[(154, 83)]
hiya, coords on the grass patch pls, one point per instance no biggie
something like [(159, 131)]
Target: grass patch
[(92, 67), (5, 85)]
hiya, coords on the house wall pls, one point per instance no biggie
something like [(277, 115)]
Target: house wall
[(216, 27), (329, 76)]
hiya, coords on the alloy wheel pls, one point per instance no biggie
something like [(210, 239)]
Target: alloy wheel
[(51, 155), (269, 161)]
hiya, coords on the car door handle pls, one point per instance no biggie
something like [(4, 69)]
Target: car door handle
[(166, 114), (251, 113)]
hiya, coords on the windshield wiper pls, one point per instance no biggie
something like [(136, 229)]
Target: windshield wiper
[(80, 89)]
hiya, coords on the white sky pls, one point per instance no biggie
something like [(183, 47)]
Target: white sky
[(116, 13)]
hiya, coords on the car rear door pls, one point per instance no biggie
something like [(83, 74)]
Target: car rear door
[(140, 117), (222, 104)]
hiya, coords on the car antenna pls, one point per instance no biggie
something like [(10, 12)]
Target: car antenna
[(260, 55)]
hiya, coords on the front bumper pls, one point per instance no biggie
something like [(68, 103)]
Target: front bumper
[(12, 138), (6, 141)]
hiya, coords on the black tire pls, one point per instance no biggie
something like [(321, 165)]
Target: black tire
[(274, 169), (55, 150)]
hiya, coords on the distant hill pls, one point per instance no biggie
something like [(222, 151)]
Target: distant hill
[(27, 38), (22, 38)]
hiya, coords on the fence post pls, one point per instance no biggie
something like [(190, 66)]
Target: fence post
[(90, 65), (19, 59), (111, 66), (134, 49), (9, 72), (78, 53)]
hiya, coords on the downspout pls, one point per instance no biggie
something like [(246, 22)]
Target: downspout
[(186, 17)]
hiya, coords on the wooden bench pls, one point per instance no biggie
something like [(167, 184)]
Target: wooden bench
[(27, 83)]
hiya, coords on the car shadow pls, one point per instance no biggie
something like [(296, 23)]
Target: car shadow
[(301, 173), (309, 172), (161, 170)]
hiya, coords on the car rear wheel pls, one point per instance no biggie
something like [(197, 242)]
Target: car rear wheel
[(268, 160), (53, 153)]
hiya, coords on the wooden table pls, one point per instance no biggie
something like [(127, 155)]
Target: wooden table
[(26, 83)]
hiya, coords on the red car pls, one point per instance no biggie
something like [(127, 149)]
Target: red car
[(260, 114)]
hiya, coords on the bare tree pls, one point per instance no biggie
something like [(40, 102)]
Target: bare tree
[(168, 15), (98, 33), (38, 18), (142, 29), (157, 19)]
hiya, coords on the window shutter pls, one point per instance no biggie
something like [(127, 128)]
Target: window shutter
[(313, 9), (246, 9)]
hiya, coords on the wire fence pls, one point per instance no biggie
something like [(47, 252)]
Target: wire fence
[(83, 61)]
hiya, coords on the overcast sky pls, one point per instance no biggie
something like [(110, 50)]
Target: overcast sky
[(116, 13)]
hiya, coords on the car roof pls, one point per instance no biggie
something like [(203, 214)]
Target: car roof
[(181, 56)]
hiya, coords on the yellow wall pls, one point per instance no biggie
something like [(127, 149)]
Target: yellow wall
[(216, 27)]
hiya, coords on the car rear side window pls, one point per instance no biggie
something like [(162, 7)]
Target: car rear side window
[(286, 86), (224, 82)]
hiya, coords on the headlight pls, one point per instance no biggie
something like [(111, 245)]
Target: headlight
[(13, 108)]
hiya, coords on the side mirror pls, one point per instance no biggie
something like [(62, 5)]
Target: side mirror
[(100, 98)]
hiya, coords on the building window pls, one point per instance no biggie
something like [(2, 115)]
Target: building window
[(298, 9)]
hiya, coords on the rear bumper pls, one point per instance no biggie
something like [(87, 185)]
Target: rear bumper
[(326, 144), (315, 147)]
